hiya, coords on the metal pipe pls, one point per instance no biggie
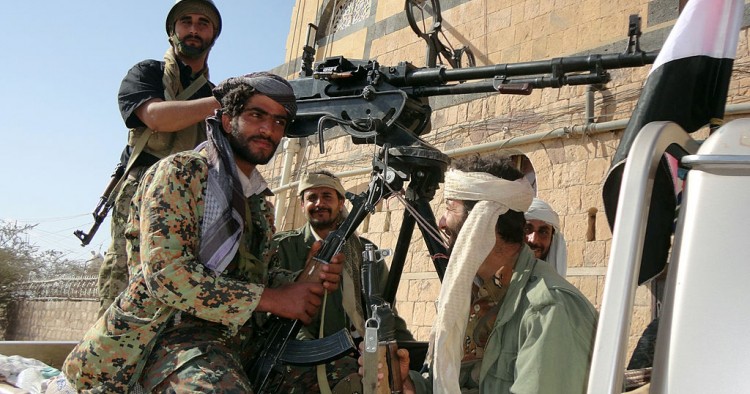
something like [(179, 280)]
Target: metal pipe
[(589, 104), (291, 147)]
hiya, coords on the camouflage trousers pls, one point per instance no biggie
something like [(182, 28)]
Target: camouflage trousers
[(113, 273), (198, 356), (219, 370), (193, 355), (216, 370), (341, 374)]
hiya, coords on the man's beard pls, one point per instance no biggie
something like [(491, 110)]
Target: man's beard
[(241, 149), (190, 51), (452, 234), (538, 248), (318, 224)]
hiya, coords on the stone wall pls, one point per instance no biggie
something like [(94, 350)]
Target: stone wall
[(51, 320), (52, 310), (570, 161)]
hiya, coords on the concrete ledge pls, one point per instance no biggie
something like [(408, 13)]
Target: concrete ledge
[(52, 353)]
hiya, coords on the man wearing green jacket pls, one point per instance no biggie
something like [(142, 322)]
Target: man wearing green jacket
[(507, 322), (322, 203)]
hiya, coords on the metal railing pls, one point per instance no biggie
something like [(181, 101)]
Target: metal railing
[(68, 288)]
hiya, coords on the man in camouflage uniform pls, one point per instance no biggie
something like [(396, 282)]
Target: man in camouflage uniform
[(322, 202), (165, 103), (198, 238)]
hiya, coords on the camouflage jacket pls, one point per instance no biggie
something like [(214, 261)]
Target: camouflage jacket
[(168, 281), (290, 250)]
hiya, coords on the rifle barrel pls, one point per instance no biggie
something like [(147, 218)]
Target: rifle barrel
[(506, 86), (441, 75)]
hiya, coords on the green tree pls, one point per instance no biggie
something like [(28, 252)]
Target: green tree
[(16, 261), (22, 261)]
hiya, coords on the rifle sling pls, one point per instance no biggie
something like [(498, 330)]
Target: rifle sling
[(318, 351), (320, 369), (143, 139)]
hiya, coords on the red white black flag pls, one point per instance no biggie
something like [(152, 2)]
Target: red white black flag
[(687, 85)]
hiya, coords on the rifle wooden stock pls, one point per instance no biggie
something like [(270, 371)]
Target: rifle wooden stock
[(392, 373), (382, 322)]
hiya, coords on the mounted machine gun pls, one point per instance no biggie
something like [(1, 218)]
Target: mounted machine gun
[(388, 106)]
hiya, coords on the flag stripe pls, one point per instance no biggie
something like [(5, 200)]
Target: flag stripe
[(705, 28), (688, 85), (688, 91)]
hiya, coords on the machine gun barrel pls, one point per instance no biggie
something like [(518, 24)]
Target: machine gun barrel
[(368, 99), (555, 66)]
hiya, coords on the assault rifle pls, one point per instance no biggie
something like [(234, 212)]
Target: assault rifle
[(266, 370), (102, 207)]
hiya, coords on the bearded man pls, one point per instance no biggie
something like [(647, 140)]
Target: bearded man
[(164, 104), (322, 202), (507, 322), (544, 237), (198, 235)]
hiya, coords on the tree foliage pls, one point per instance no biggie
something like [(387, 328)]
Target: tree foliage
[(16, 253), (22, 261)]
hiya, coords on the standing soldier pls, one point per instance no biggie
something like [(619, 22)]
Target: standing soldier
[(164, 104)]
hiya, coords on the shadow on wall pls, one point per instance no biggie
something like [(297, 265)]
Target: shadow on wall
[(524, 165)]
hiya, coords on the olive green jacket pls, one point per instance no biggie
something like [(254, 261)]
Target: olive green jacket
[(291, 249), (542, 339)]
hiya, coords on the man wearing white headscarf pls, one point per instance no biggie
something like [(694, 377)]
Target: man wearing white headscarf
[(506, 322), (544, 237)]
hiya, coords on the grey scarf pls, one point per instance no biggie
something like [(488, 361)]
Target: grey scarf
[(223, 218)]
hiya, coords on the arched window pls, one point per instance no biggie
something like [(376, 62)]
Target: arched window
[(341, 14)]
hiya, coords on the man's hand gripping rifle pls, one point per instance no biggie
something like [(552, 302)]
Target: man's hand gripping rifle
[(282, 348)]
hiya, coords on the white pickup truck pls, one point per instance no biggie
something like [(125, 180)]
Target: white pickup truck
[(702, 344)]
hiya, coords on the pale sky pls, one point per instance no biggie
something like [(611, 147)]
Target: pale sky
[(61, 68)]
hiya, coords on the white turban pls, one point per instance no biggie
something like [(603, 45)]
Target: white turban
[(558, 252), (475, 241)]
